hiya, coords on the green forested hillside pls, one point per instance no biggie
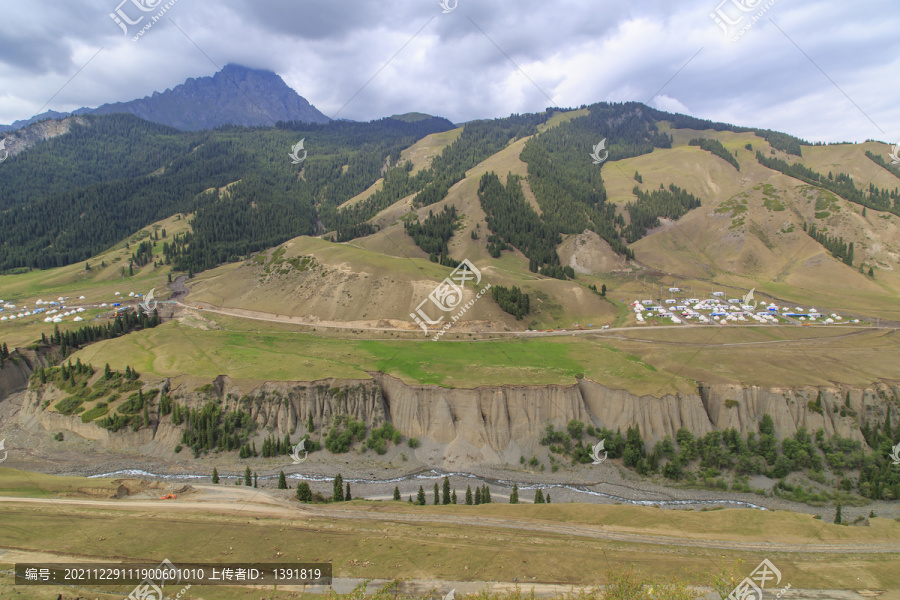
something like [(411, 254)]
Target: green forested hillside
[(72, 197), (478, 141), (76, 195)]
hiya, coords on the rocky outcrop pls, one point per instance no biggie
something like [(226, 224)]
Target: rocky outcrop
[(494, 424), (39, 132), (17, 370)]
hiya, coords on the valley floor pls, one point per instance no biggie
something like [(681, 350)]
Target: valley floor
[(549, 547)]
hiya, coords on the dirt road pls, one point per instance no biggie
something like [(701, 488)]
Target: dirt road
[(254, 503)]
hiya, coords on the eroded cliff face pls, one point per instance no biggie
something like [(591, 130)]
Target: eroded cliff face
[(28, 137), (17, 370), (496, 424)]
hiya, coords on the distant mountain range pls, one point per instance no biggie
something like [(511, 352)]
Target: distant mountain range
[(235, 95)]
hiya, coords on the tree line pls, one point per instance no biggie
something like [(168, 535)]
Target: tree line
[(644, 214), (434, 233), (716, 147), (704, 459), (836, 245), (515, 223), (840, 184), (512, 300)]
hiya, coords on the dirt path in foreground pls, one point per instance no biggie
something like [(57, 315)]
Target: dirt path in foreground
[(255, 503)]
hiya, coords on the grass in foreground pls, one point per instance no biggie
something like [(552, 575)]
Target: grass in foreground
[(446, 549)]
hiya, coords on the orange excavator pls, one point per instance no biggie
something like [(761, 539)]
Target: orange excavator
[(169, 497)]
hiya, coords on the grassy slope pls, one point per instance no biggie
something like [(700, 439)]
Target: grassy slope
[(97, 285), (752, 236), (643, 362), (419, 154), (385, 275)]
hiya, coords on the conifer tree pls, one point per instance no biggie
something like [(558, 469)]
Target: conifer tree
[(304, 494), (396, 493), (247, 480), (215, 475), (446, 495), (338, 489), (477, 495), (538, 497), (437, 494), (468, 496), (420, 497), (347, 496), (514, 496), (282, 481)]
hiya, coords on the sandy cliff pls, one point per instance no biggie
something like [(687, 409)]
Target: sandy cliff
[(493, 424)]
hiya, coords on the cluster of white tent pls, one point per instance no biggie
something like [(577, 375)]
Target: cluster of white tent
[(46, 306), (52, 308), (731, 310), (59, 317), (20, 312)]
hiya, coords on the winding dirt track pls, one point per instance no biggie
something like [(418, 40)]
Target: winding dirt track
[(611, 332), (253, 503)]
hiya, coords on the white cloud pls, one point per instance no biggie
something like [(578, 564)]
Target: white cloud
[(669, 104), (575, 51)]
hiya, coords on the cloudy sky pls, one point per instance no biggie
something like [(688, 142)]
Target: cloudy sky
[(825, 70)]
